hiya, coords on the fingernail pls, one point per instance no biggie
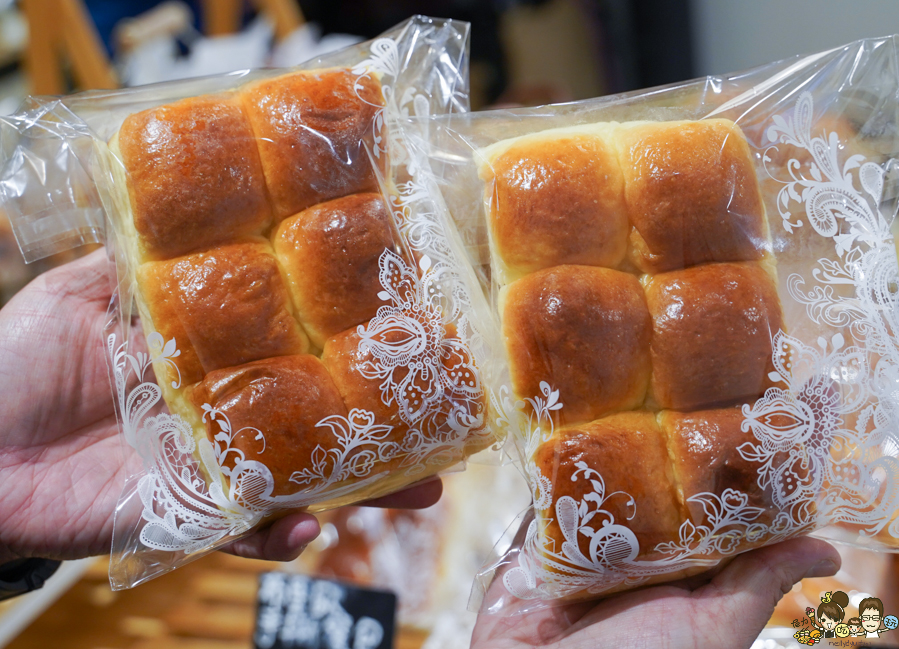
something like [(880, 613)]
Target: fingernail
[(824, 568)]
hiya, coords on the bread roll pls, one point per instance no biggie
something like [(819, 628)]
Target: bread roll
[(706, 460), (345, 361), (440, 416), (692, 194), (330, 253), (712, 331), (583, 330), (193, 176), (284, 399), (556, 199), (629, 452), (313, 130), (224, 307)]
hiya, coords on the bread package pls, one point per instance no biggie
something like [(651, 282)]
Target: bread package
[(692, 288), (303, 346), (650, 352)]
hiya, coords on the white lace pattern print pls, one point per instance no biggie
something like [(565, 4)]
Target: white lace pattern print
[(849, 394)]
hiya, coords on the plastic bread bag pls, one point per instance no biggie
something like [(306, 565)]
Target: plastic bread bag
[(305, 336), (696, 290), (428, 557)]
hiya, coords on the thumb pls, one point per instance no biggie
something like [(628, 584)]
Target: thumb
[(741, 598), (283, 540)]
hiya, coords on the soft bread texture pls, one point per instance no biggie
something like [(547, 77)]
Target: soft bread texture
[(557, 200), (629, 452), (346, 360), (662, 461), (712, 332), (692, 194), (330, 253), (224, 307), (314, 130), (704, 453), (285, 398), (583, 330), (194, 176), (668, 194)]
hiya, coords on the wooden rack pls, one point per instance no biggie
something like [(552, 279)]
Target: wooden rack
[(61, 32)]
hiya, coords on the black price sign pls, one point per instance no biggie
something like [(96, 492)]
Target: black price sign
[(299, 612)]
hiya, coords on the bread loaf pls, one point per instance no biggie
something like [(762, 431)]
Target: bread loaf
[(639, 300), (257, 235)]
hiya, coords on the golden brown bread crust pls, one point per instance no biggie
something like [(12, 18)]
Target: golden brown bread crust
[(330, 253), (344, 359), (703, 447), (692, 194), (558, 201), (313, 129), (224, 307), (712, 331), (628, 450), (284, 398), (195, 179), (583, 330)]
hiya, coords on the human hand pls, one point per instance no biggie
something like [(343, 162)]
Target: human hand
[(62, 465), (728, 609)]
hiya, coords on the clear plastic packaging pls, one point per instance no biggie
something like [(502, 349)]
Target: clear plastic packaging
[(697, 295), (427, 557), (309, 340)]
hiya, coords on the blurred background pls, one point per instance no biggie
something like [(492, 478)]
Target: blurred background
[(526, 52)]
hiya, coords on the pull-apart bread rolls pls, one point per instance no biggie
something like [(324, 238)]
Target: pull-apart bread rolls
[(256, 235), (653, 467), (702, 446), (636, 280), (665, 194), (224, 306), (286, 397), (692, 194), (629, 451), (712, 328)]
